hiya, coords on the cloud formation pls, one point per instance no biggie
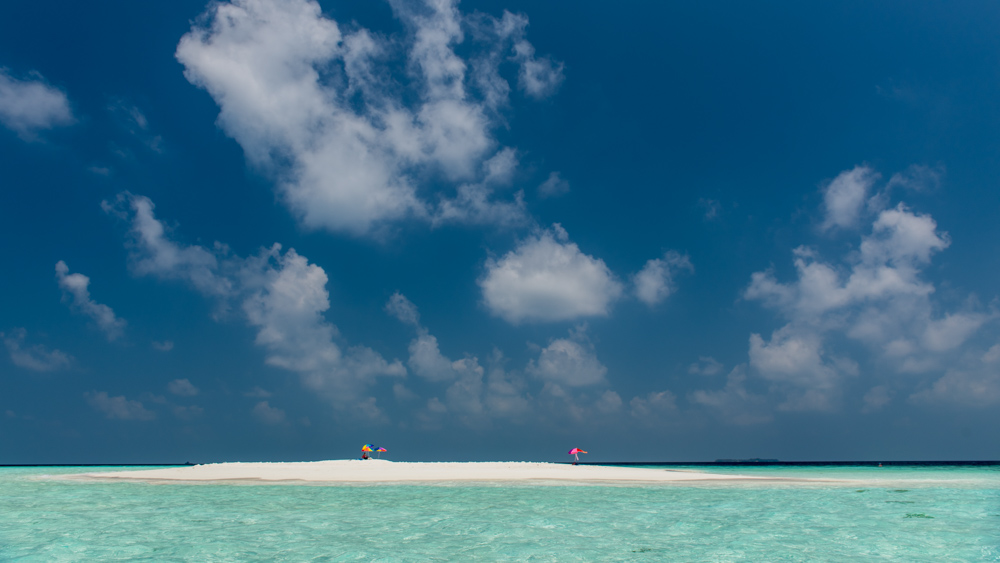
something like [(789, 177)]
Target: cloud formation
[(570, 362), (553, 186), (268, 414), (475, 394), (182, 388), (844, 198), (77, 295), (351, 146), (655, 281), (30, 105), (565, 379), (278, 293), (734, 403), (118, 408), (877, 296), (34, 357), (547, 278)]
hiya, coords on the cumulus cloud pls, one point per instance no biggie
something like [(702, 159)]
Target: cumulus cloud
[(547, 278), (844, 198), (734, 403), (474, 204), (876, 398), (554, 186), (917, 178), (182, 388), (655, 281), (569, 362), (278, 293), (876, 295), (565, 380), (653, 405), (972, 381), (268, 414), (258, 392), (164, 346), (118, 408), (795, 363), (977, 388), (403, 309), (352, 145), (29, 105), (34, 357), (474, 393), (76, 293), (706, 365)]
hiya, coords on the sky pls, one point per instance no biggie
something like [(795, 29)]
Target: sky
[(498, 230)]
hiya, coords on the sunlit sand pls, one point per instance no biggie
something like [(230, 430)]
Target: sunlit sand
[(376, 471)]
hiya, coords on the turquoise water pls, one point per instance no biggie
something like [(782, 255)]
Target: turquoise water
[(894, 514)]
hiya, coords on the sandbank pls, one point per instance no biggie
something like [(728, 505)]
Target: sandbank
[(383, 471)]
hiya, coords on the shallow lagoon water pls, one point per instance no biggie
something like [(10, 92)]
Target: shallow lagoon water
[(891, 513)]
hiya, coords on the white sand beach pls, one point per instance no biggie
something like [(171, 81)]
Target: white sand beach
[(383, 471)]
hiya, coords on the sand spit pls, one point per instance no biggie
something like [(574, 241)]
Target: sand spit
[(383, 471)]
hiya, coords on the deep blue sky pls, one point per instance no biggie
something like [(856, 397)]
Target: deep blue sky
[(640, 298)]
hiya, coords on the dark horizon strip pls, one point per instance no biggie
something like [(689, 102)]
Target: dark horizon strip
[(744, 463)]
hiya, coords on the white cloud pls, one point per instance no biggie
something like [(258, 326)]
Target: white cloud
[(164, 346), (734, 403), (888, 267), (877, 296), (473, 395), (977, 387), (712, 208), (845, 197), (706, 365), (286, 300), (569, 362), (268, 414), (319, 109), (30, 105), (280, 294), (554, 186), (474, 203), (609, 402), (653, 405), (655, 282), (547, 278), (403, 309), (796, 364), (917, 178), (119, 407), (876, 398), (539, 77), (427, 361), (992, 355), (36, 357), (182, 388), (75, 290), (952, 330), (153, 253), (258, 392)]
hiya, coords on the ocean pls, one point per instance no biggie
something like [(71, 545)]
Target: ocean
[(898, 513)]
